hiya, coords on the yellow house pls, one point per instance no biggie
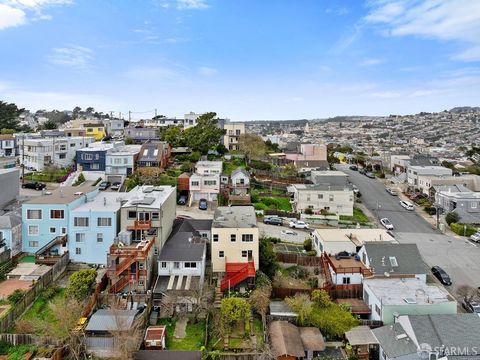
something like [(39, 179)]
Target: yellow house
[(97, 131)]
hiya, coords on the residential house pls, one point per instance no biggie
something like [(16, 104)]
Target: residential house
[(291, 342), (334, 241), (181, 265), (38, 153), (391, 297), (97, 131), (362, 342), (71, 132), (11, 233), (9, 180), (139, 135), (120, 162), (92, 228), (114, 127), (190, 119), (399, 163), (93, 157), (344, 270), (153, 157), (330, 198), (393, 260), (46, 218), (240, 181), (162, 121), (414, 172), (419, 337), (7, 145), (232, 134), (311, 156), (461, 200), (329, 177), (235, 238), (430, 184), (205, 182)]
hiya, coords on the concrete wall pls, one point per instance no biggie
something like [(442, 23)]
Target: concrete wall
[(10, 185)]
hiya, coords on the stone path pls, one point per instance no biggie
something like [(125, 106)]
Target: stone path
[(180, 328)]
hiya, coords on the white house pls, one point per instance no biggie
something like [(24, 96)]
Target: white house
[(414, 172), (120, 161), (240, 181), (205, 182), (331, 198)]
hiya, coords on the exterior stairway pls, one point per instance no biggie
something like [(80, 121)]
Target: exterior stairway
[(237, 272)]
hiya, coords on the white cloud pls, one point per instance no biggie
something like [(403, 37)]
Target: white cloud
[(371, 62), (143, 73), (446, 20), (74, 56), (207, 71), (11, 17), (191, 4)]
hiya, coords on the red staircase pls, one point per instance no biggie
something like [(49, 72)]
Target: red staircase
[(237, 272)]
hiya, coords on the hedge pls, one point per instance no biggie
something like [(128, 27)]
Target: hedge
[(460, 230)]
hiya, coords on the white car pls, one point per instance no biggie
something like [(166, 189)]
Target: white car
[(392, 192), (386, 223), (288, 232), (299, 225), (475, 237), (407, 205)]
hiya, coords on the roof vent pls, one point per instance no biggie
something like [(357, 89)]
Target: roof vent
[(409, 300), (401, 336)]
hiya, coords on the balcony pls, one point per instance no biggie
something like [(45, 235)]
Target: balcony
[(140, 225)]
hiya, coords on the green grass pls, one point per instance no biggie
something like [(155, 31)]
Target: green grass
[(46, 177), (27, 259), (194, 339), (358, 216), (15, 352), (230, 165), (273, 203)]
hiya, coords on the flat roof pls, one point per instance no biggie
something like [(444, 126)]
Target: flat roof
[(147, 196), (356, 236), (322, 187), (407, 291), (329, 173), (103, 201), (125, 150), (234, 217), (63, 194), (206, 163), (350, 262)]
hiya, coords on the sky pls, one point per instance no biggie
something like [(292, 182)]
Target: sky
[(244, 59)]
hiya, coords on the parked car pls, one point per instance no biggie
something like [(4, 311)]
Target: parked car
[(441, 275), (182, 200), (104, 185), (353, 167), (273, 220), (203, 204), (299, 225), (115, 185), (288, 232), (392, 192), (471, 306), (362, 171), (386, 223), (370, 175), (475, 237), (34, 185), (407, 205)]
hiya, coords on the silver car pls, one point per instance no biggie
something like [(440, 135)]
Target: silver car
[(475, 237)]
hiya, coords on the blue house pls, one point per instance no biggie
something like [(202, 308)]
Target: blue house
[(92, 228), (11, 233), (93, 157), (45, 218)]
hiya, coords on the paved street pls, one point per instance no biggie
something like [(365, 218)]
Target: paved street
[(458, 256), (276, 231)]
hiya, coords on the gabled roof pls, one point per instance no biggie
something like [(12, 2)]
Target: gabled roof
[(285, 339), (107, 320), (400, 259), (239, 171), (395, 342)]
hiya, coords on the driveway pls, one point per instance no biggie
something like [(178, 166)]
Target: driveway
[(458, 256)]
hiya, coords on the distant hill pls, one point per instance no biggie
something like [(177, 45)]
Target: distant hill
[(463, 109)]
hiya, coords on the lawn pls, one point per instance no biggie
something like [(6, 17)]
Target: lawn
[(230, 165), (358, 217), (47, 176), (14, 352), (27, 259), (272, 203), (192, 341)]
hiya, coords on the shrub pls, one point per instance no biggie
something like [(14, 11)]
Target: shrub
[(313, 282), (460, 229), (307, 245), (430, 210), (97, 181), (451, 217), (260, 165), (312, 253), (16, 296), (80, 179), (309, 211), (50, 292), (81, 283)]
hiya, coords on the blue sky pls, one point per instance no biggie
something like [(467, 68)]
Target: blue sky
[(244, 59)]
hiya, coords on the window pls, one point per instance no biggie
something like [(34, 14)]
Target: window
[(132, 214), (103, 221), (53, 230), (33, 230), (346, 280), (215, 237), (221, 254), (94, 166), (176, 265), (474, 205), (34, 214), (203, 235), (209, 183), (377, 310), (244, 253), (33, 243), (247, 237), (233, 237), (331, 197), (62, 156), (57, 214), (164, 265), (64, 230), (79, 237), (320, 196), (100, 237), (190, 265), (87, 157), (308, 197), (78, 251), (195, 183), (80, 221), (155, 215)]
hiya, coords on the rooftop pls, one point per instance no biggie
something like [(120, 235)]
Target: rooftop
[(109, 320), (323, 187), (103, 201), (63, 194), (210, 164), (328, 173), (147, 196), (125, 150), (357, 236), (408, 291), (394, 341), (234, 217)]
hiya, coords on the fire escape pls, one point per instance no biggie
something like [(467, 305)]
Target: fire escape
[(236, 273)]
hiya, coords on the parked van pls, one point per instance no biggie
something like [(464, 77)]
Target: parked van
[(407, 205)]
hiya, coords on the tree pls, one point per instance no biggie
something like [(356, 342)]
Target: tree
[(451, 217), (89, 110), (15, 296), (321, 298), (447, 164), (267, 258), (205, 135), (76, 111), (81, 283), (233, 311), (260, 299), (50, 125), (173, 135), (251, 145), (271, 147), (9, 114), (302, 305)]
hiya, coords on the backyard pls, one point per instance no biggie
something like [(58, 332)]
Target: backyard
[(194, 335), (53, 175), (230, 165)]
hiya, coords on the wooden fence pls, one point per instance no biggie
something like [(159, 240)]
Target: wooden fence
[(244, 356), (29, 339), (17, 310), (299, 259), (92, 302)]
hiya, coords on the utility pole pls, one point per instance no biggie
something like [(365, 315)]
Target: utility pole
[(120, 115), (155, 112), (23, 158), (129, 115), (111, 114)]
